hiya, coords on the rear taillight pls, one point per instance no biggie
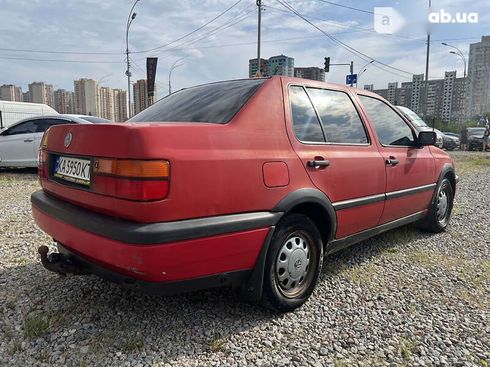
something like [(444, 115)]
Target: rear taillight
[(42, 164), (141, 180), (42, 158)]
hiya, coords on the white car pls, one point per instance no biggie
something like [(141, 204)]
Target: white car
[(420, 125), (19, 143)]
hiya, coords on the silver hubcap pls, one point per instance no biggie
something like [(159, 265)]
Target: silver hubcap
[(292, 265), (442, 205)]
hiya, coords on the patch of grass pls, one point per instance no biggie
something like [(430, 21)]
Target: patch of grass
[(406, 348), (217, 345), (133, 343), (15, 347), (362, 274), (483, 363), (340, 363), (470, 162), (400, 235), (36, 324), (412, 309)]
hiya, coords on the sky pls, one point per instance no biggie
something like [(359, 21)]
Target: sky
[(58, 41)]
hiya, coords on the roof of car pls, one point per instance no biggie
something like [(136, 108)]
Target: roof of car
[(67, 117)]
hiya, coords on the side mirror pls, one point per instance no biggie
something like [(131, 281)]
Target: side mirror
[(426, 138)]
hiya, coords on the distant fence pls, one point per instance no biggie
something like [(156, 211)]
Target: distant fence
[(8, 118)]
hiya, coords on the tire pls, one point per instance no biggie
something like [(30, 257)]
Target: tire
[(293, 263), (440, 210)]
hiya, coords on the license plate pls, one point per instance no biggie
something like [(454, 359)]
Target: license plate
[(74, 170)]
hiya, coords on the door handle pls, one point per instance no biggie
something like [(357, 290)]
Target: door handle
[(392, 161), (28, 140), (318, 163)]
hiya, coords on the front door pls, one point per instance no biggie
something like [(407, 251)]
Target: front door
[(17, 145), (334, 145), (410, 170)]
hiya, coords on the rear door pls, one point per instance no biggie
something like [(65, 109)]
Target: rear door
[(410, 170), (17, 145), (41, 126), (334, 145)]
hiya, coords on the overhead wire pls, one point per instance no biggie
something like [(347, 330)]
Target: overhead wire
[(351, 49)]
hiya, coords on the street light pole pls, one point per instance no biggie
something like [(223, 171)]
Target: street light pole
[(131, 17), (259, 4), (362, 70), (174, 65), (460, 53)]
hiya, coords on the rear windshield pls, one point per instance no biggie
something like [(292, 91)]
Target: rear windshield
[(215, 103)]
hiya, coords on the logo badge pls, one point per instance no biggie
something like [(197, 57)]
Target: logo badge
[(68, 139)]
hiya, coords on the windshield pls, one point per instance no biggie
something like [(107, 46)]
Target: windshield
[(476, 132), (215, 103), (412, 116)]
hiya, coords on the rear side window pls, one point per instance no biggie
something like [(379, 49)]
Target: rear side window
[(305, 121), (390, 127), (215, 103), (340, 120)]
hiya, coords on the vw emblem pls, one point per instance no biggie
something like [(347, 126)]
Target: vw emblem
[(297, 264), (68, 139)]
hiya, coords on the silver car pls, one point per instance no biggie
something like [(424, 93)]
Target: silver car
[(19, 143)]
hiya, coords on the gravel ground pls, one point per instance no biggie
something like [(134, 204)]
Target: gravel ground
[(405, 298)]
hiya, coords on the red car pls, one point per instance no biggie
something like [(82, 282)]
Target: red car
[(245, 182)]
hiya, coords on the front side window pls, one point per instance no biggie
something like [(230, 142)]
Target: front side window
[(305, 121), (390, 127), (340, 120)]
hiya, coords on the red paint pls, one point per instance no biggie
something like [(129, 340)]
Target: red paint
[(160, 262), (276, 174), (247, 165)]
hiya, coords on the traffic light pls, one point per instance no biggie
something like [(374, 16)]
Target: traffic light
[(327, 64)]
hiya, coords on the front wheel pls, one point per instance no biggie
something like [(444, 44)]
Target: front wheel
[(440, 210), (293, 263)]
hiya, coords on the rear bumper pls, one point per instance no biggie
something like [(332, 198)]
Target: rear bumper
[(157, 288), (164, 253)]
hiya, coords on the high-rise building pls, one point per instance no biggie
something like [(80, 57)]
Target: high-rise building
[(281, 65), (120, 105), (391, 94), (41, 92), (439, 98), (312, 73), (478, 92), (369, 87), (26, 96), (417, 81), (63, 101), (10, 92), (106, 103), (253, 68), (86, 97), (140, 95)]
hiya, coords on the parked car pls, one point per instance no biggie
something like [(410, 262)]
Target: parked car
[(475, 138), (19, 144), (451, 141), (420, 124), (245, 183)]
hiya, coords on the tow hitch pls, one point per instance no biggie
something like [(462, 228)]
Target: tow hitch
[(60, 263)]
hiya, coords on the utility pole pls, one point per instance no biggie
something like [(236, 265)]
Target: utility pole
[(428, 50), (259, 20)]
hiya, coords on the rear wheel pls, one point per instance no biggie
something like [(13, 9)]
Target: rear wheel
[(440, 210), (293, 263)]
